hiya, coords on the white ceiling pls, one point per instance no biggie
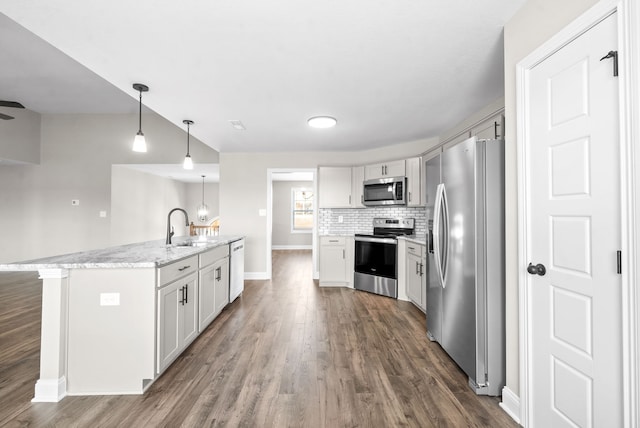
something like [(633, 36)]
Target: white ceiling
[(389, 71)]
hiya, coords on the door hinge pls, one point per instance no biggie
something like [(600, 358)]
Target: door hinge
[(614, 55), (619, 262)]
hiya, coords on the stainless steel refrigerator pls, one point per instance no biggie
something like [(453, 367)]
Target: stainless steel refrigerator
[(465, 261)]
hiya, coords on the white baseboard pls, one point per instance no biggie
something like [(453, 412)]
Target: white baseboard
[(256, 275), (291, 247), (510, 404), (50, 390)]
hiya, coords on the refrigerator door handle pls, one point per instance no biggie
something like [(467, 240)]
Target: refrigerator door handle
[(445, 254), (437, 215)]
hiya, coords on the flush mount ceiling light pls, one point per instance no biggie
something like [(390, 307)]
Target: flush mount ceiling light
[(322, 122), (139, 143), (203, 209), (188, 163)]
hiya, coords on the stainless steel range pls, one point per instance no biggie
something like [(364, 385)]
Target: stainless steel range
[(376, 256)]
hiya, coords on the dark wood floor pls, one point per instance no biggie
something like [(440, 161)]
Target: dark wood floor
[(285, 354)]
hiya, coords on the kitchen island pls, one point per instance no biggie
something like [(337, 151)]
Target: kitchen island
[(114, 319)]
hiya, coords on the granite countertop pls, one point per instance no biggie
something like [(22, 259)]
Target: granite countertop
[(149, 254)]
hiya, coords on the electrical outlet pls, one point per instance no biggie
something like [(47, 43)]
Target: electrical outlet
[(75, 202), (103, 214), (109, 299), (340, 219)]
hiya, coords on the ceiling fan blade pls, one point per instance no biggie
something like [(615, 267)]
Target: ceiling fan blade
[(13, 104), (5, 117)]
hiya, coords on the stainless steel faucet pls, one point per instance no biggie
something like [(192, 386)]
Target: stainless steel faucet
[(170, 231)]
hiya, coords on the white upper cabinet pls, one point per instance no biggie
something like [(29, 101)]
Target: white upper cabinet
[(357, 177), (386, 169), (334, 187), (414, 182), (490, 129)]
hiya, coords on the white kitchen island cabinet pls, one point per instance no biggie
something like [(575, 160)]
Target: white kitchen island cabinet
[(114, 319), (213, 285), (177, 318)]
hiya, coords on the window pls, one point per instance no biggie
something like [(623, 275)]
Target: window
[(301, 210)]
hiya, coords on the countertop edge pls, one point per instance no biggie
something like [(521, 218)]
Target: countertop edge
[(159, 255)]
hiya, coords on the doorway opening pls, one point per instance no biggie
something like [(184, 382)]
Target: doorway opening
[(292, 213)]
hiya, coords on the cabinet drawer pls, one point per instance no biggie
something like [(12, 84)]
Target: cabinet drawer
[(176, 270), (333, 240), (415, 249), (213, 255)]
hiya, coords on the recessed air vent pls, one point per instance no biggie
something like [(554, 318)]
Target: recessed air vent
[(237, 125)]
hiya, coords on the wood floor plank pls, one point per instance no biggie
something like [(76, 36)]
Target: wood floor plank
[(287, 353)]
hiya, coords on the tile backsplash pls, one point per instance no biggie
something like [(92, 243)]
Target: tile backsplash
[(361, 220)]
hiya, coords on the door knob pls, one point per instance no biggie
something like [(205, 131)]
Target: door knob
[(538, 269)]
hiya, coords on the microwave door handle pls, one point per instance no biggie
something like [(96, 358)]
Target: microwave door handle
[(436, 234)]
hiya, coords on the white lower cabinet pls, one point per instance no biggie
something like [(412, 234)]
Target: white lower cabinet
[(336, 261), (221, 278), (177, 318), (213, 290), (415, 275)]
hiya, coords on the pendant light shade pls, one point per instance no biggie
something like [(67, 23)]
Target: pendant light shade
[(203, 209), (139, 142), (188, 162)]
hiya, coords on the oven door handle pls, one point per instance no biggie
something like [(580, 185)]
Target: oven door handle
[(377, 240), (437, 215)]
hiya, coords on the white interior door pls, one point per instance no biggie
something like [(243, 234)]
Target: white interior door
[(575, 351)]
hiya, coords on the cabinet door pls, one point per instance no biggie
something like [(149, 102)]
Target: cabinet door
[(374, 171), (414, 195), (189, 310), (423, 279), (177, 318), (357, 177), (385, 169), (168, 328), (206, 300), (221, 284), (490, 129), (413, 279), (334, 187), (333, 260), (395, 169)]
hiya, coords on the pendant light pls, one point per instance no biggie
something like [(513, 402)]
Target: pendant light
[(139, 143), (203, 209), (188, 163)]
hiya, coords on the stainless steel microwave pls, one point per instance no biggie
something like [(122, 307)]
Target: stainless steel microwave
[(385, 191)]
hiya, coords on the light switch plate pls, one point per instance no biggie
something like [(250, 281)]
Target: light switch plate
[(262, 212), (75, 202)]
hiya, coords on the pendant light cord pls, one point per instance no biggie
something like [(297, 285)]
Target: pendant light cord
[(188, 142), (140, 113)]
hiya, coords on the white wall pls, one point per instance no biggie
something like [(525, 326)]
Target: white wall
[(531, 26), (20, 137), (243, 188), (281, 235), (140, 203), (77, 152), (194, 199)]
